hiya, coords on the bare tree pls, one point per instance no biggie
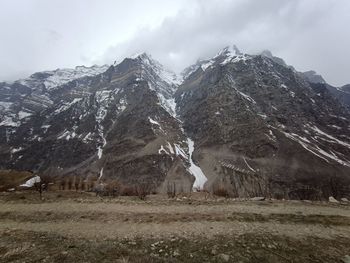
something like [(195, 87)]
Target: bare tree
[(82, 185), (113, 188), (42, 184), (70, 183), (76, 183), (335, 186), (220, 190), (143, 189), (171, 189), (91, 181)]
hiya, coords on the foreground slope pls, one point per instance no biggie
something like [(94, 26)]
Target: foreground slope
[(78, 227)]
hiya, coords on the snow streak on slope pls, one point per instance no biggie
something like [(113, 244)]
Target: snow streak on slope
[(103, 99), (161, 80), (195, 170), (315, 149)]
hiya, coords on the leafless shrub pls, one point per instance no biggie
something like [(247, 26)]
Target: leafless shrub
[(113, 188), (83, 185), (336, 187), (221, 191), (76, 183), (62, 185), (206, 193), (128, 191), (100, 189), (305, 193), (91, 181), (43, 184), (69, 183), (197, 189), (171, 189), (142, 190)]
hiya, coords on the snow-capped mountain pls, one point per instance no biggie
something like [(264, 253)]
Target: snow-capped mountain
[(23, 98), (120, 123), (261, 129), (50, 80), (248, 123)]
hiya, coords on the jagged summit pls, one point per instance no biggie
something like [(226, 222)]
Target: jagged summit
[(149, 63), (313, 77), (224, 56), (229, 51)]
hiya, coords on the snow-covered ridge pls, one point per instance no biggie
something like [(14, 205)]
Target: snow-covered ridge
[(58, 77), (159, 79), (164, 74), (229, 54)]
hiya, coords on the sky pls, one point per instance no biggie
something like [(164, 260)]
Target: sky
[(39, 35)]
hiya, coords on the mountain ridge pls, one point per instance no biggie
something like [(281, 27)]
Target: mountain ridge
[(234, 121)]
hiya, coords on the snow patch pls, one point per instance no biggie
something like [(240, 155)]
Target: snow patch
[(330, 137), (8, 121), (248, 165), (31, 182), (23, 114), (66, 106), (101, 174), (162, 149), (314, 149), (14, 150), (171, 148), (5, 106), (103, 99), (246, 97), (207, 64), (153, 121), (62, 76), (180, 151), (195, 170), (168, 104)]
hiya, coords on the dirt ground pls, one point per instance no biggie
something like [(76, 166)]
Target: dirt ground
[(80, 227)]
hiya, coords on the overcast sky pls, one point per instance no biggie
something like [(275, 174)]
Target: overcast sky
[(39, 35)]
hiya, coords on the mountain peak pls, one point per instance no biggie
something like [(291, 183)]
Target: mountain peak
[(267, 53), (140, 55), (229, 50), (313, 77)]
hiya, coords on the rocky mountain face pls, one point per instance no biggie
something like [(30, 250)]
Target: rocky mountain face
[(116, 122), (341, 93), (248, 124), (262, 130)]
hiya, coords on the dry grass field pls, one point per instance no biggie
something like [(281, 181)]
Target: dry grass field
[(70, 226)]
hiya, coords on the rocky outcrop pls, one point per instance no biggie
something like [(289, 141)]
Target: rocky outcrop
[(340, 93)]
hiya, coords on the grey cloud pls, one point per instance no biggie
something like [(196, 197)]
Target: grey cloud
[(39, 34), (307, 34)]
